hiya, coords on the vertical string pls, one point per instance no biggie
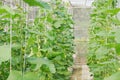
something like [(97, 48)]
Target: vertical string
[(11, 37), (21, 29), (26, 24), (45, 21)]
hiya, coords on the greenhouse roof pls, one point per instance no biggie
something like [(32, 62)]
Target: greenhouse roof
[(78, 3), (74, 3), (81, 3)]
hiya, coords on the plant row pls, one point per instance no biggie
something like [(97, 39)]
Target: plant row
[(104, 45), (36, 50)]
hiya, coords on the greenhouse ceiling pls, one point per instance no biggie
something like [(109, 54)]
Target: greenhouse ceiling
[(74, 3), (78, 3), (81, 3)]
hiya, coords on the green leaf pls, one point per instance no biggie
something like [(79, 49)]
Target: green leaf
[(53, 54), (108, 11), (57, 24), (15, 75), (113, 11), (100, 52), (115, 76), (16, 45), (4, 53), (117, 35), (118, 48), (116, 21), (37, 3), (64, 72), (30, 76), (41, 61), (102, 33), (109, 62), (4, 9)]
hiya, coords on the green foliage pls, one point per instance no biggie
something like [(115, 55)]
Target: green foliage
[(39, 3), (42, 61), (17, 75), (5, 50), (42, 49), (4, 70), (103, 57)]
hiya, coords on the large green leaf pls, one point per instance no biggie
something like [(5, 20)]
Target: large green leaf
[(115, 76), (30, 76), (41, 61), (17, 75), (4, 53), (37, 3)]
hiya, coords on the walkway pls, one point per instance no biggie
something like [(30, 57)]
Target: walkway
[(80, 69)]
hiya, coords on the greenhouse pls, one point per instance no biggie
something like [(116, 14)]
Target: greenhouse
[(59, 39)]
